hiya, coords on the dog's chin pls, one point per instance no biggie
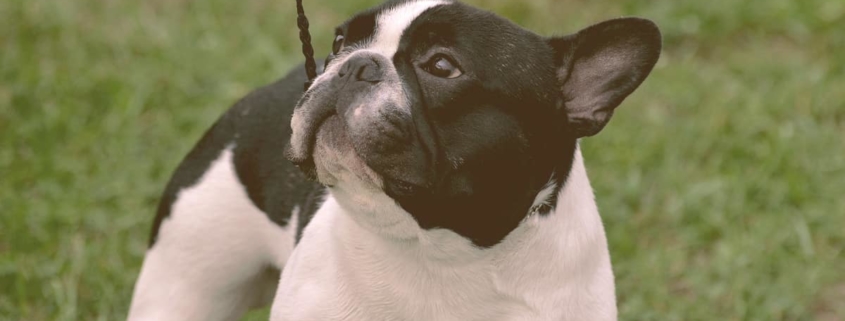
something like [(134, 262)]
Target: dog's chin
[(355, 186), (336, 161)]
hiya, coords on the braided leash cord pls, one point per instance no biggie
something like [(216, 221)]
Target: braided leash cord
[(307, 49)]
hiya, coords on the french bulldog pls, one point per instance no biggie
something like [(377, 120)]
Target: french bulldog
[(431, 172)]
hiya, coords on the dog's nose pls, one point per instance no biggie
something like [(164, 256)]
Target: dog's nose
[(361, 68)]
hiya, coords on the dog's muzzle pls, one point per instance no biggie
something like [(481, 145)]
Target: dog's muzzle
[(366, 95)]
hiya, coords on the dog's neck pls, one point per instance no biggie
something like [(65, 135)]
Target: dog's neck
[(547, 261), (574, 222)]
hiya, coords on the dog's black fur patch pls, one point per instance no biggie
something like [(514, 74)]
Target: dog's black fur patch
[(499, 131)]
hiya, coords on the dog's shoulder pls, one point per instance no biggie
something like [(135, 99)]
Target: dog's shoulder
[(256, 129)]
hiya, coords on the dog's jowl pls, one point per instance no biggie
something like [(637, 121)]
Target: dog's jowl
[(431, 172)]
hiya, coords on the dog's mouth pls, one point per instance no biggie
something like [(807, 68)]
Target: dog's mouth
[(301, 152), (308, 116), (329, 156)]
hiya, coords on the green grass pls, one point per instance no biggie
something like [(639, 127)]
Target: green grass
[(721, 181)]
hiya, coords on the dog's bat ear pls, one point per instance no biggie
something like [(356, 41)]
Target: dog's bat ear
[(600, 65)]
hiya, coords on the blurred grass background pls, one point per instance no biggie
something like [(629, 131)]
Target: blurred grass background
[(721, 181)]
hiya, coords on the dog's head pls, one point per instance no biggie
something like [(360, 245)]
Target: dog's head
[(457, 115)]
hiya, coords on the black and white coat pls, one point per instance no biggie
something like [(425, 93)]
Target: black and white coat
[(437, 197)]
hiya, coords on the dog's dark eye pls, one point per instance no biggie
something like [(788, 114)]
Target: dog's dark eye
[(338, 44), (442, 66)]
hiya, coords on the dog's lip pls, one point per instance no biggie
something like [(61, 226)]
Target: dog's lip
[(305, 160), (307, 155), (316, 130)]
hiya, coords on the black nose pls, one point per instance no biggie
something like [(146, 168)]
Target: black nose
[(361, 68)]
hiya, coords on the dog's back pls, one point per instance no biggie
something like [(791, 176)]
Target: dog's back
[(216, 230)]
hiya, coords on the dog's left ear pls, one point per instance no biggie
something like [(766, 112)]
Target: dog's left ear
[(601, 65)]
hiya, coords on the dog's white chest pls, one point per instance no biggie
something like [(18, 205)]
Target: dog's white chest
[(549, 268), (350, 275)]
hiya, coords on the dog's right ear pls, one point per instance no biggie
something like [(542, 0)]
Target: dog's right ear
[(600, 65)]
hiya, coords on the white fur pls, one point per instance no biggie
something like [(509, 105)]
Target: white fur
[(298, 135), (543, 196), (214, 255), (350, 267), (392, 23)]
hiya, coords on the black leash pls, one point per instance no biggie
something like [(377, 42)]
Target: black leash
[(307, 49)]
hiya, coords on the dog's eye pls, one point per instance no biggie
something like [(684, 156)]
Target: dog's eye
[(442, 66), (338, 44)]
